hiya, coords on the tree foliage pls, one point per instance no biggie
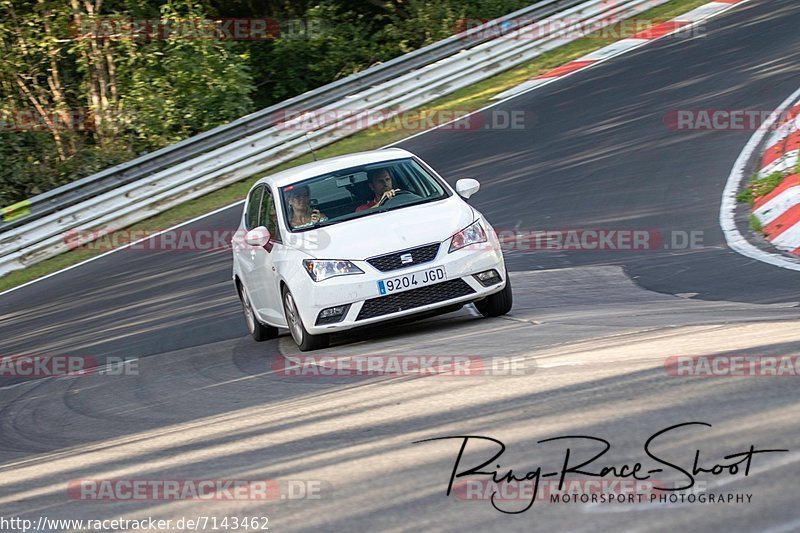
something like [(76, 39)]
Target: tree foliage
[(136, 95)]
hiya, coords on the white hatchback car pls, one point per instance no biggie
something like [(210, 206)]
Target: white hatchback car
[(358, 239)]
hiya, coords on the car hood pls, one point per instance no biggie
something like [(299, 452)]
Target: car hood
[(387, 232)]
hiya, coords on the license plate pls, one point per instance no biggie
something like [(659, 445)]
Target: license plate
[(411, 281)]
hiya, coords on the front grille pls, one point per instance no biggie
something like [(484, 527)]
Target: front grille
[(402, 301), (393, 261)]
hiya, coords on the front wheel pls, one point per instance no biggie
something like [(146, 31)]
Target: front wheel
[(260, 332), (304, 340), (497, 304)]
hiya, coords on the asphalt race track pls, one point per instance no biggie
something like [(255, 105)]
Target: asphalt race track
[(593, 328)]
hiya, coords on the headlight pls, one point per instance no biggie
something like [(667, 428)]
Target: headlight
[(323, 269), (472, 234)]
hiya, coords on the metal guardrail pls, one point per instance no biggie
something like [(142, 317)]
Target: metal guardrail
[(148, 164), (240, 158)]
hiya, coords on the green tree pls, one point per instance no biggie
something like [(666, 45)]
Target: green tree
[(141, 94), (174, 88), (138, 95)]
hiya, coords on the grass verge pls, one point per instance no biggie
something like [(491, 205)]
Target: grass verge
[(758, 187), (755, 224), (472, 97)]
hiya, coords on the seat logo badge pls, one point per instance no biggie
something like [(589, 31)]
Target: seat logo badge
[(406, 258)]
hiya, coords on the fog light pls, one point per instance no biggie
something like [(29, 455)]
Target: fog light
[(488, 277), (331, 315), (332, 311)]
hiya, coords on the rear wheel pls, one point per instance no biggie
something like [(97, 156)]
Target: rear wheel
[(304, 340), (497, 304), (260, 332)]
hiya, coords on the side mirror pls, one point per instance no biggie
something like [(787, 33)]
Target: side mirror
[(259, 238), (467, 187)]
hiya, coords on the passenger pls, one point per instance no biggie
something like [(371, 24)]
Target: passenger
[(300, 208)]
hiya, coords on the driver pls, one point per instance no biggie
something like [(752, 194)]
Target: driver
[(380, 182)]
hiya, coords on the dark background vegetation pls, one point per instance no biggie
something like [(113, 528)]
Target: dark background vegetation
[(138, 95)]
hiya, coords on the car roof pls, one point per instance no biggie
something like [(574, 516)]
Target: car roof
[(326, 166)]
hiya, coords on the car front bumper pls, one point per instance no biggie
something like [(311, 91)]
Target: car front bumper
[(368, 306)]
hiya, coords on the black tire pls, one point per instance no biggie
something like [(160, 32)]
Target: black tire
[(260, 332), (497, 304), (304, 340)]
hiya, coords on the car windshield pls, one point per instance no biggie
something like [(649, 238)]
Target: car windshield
[(358, 191)]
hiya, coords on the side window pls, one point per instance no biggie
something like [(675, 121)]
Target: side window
[(253, 207), (269, 216)]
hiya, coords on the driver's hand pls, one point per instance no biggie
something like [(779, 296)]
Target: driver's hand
[(315, 215), (388, 194)]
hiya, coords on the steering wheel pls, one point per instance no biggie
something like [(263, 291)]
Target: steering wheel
[(397, 192)]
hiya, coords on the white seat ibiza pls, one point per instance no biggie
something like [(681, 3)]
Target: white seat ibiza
[(354, 240)]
